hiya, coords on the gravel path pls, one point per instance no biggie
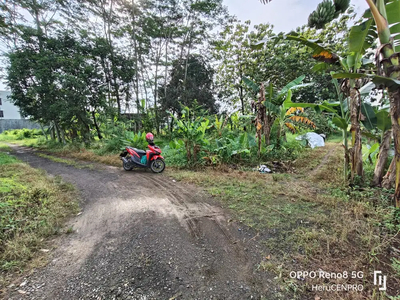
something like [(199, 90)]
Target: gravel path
[(143, 236)]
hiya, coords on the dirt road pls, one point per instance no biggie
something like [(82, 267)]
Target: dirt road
[(143, 236)]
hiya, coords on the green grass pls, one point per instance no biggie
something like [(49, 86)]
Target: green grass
[(4, 147), (6, 159), (32, 207)]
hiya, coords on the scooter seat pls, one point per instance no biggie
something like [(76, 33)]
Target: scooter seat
[(138, 151)]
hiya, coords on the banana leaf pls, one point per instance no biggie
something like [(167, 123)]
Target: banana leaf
[(330, 107), (390, 83), (370, 120), (360, 39), (319, 67), (366, 89), (373, 151), (393, 17), (251, 84), (291, 85), (271, 107), (340, 122), (384, 122), (371, 136)]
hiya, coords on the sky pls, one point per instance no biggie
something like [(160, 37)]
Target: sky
[(285, 15)]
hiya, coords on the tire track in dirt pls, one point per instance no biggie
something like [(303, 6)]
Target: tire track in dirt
[(213, 213), (142, 236), (323, 162)]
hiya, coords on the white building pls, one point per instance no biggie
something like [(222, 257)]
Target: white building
[(10, 118), (7, 109)]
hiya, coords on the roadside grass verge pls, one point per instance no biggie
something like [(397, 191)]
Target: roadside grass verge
[(33, 207), (4, 147), (308, 221)]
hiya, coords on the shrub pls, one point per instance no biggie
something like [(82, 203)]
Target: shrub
[(175, 154), (323, 122)]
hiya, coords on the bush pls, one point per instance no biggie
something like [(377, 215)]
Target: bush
[(323, 122), (21, 134), (289, 150), (175, 155), (117, 142)]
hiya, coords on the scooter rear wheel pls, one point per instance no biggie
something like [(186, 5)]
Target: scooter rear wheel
[(158, 165), (127, 166)]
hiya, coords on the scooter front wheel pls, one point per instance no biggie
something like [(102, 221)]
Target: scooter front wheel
[(158, 165)]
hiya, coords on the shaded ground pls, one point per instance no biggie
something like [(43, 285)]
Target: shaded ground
[(143, 236)]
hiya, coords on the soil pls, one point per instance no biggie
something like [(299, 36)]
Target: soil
[(144, 236)]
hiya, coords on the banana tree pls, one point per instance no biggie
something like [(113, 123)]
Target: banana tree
[(389, 51), (361, 38), (386, 15), (287, 117), (266, 106), (382, 122), (387, 19), (192, 130)]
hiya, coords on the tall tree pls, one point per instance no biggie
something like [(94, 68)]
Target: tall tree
[(199, 86)]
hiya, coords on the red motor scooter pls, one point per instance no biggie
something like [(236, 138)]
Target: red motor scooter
[(132, 157)]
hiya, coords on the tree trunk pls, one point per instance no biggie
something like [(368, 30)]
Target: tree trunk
[(395, 115), (52, 131), (346, 156), (166, 70), (382, 158), (172, 125), (44, 132), (241, 98), (63, 136), (155, 98), (260, 119), (135, 45), (278, 136), (96, 125), (268, 122), (389, 179), (356, 150), (57, 131)]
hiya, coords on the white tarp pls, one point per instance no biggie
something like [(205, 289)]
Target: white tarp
[(264, 169), (314, 139)]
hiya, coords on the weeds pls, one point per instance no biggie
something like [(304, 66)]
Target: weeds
[(20, 134), (7, 159), (307, 217), (32, 207)]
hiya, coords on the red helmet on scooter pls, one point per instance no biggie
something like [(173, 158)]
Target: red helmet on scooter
[(149, 137)]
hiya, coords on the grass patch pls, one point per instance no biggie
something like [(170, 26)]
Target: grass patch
[(7, 159), (32, 208), (4, 147), (308, 221)]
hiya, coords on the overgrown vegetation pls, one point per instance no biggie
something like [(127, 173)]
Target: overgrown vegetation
[(307, 221), (32, 208)]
